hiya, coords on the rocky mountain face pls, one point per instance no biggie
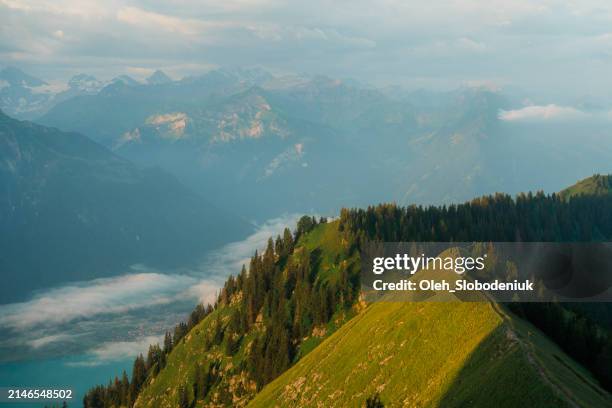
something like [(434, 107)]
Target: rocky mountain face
[(26, 97)]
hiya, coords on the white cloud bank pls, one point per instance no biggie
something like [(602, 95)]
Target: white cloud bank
[(218, 265), (58, 315), (230, 258), (46, 340), (536, 113), (525, 42), (82, 300), (117, 350)]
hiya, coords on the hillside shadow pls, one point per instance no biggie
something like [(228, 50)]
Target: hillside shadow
[(503, 372)]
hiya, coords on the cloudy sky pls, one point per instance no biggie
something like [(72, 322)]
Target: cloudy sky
[(548, 45)]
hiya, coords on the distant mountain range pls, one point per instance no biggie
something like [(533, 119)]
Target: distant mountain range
[(262, 144), (72, 210), (315, 144), (26, 97)]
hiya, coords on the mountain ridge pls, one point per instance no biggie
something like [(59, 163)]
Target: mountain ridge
[(421, 147), (597, 184), (474, 351), (258, 344)]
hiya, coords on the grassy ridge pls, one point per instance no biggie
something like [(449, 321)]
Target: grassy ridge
[(434, 354), (189, 354), (594, 185), (413, 354), (232, 385)]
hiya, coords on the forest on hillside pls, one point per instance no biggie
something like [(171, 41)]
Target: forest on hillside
[(263, 315)]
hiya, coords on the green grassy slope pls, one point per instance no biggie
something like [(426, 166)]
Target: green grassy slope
[(435, 354), (414, 354), (189, 354), (233, 386), (594, 185)]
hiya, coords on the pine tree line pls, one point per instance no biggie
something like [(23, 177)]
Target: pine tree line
[(529, 218), (123, 392), (281, 299), (279, 295)]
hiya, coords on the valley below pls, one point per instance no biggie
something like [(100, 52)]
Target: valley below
[(79, 334)]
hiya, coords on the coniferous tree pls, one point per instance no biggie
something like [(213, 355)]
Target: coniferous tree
[(183, 397), (374, 402), (282, 298), (167, 343), (139, 374)]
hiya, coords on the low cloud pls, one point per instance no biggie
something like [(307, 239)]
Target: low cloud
[(536, 113), (185, 26), (230, 258), (53, 87), (323, 35), (140, 17), (100, 296), (88, 315), (46, 340), (290, 155), (117, 350), (205, 291)]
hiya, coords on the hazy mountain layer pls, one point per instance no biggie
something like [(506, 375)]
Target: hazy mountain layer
[(72, 210), (295, 144)]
